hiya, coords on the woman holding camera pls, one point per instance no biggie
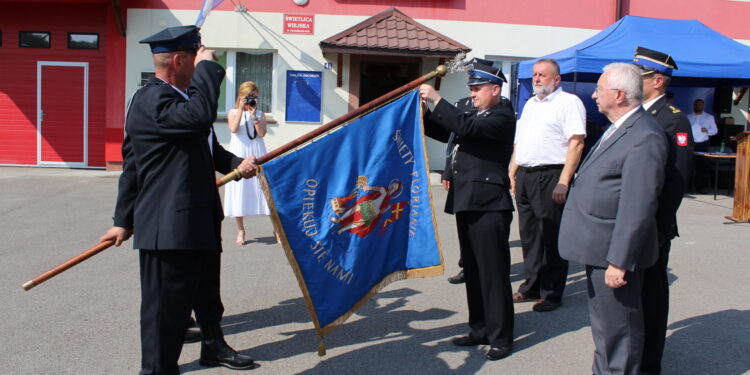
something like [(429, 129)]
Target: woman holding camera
[(247, 125)]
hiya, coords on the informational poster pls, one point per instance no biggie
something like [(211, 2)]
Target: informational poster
[(303, 96)]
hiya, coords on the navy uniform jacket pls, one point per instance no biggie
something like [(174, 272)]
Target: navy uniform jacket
[(610, 214), (467, 106), (167, 190), (479, 180), (679, 164)]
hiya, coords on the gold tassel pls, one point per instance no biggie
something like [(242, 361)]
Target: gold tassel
[(321, 348)]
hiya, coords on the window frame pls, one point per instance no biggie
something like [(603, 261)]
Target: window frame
[(70, 34), (21, 32), (272, 90)]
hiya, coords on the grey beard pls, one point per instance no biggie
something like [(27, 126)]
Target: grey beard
[(544, 90)]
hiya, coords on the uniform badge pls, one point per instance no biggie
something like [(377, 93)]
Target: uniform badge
[(682, 139), (674, 109)]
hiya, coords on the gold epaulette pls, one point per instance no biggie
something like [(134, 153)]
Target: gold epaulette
[(674, 109)]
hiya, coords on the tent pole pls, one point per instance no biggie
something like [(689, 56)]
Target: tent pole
[(575, 80)]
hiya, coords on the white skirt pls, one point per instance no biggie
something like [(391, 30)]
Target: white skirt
[(245, 197)]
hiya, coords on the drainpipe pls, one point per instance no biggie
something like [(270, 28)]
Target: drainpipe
[(618, 10)]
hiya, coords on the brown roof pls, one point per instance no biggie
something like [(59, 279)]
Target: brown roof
[(392, 32)]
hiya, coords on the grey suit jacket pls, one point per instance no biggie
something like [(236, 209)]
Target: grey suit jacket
[(610, 215)]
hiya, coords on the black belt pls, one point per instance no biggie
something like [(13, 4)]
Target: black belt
[(540, 168)]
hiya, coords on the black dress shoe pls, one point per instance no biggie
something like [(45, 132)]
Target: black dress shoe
[(495, 354), (458, 279), (468, 341), (545, 306), (216, 352)]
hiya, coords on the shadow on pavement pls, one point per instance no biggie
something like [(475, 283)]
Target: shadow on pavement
[(380, 322), (532, 328), (709, 344), (395, 344), (392, 342)]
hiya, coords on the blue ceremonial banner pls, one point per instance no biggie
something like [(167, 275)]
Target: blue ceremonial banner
[(355, 211)]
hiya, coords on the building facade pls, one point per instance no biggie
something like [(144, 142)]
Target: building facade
[(68, 67)]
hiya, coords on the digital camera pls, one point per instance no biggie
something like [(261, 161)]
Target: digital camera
[(251, 100)]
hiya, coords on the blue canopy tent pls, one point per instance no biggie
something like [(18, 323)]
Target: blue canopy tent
[(705, 58)]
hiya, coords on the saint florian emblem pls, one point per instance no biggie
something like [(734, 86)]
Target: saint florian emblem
[(360, 211)]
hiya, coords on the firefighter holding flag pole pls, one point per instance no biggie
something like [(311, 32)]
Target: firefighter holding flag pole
[(481, 201), (168, 197)]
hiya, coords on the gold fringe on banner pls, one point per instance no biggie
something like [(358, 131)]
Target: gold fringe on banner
[(429, 192), (287, 249)]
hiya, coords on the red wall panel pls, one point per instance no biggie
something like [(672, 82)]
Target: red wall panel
[(725, 16), (18, 72), (589, 14), (115, 92)]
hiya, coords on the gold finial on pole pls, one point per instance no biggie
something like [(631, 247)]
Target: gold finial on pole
[(441, 70)]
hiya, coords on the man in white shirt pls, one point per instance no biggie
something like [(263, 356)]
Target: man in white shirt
[(703, 126), (548, 146)]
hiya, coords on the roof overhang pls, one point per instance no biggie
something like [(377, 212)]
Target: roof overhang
[(392, 33)]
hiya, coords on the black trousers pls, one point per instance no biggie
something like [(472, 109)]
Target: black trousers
[(483, 237), (174, 282), (616, 323), (655, 299), (539, 225), (700, 171)]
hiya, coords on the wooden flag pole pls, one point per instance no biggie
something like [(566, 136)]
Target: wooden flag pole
[(67, 264), (440, 71)]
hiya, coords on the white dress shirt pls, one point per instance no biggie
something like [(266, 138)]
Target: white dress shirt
[(613, 128), (543, 132), (702, 121), (648, 104)]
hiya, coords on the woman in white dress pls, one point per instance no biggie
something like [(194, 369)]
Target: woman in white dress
[(247, 125)]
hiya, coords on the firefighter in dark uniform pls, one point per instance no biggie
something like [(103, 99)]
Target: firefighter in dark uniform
[(657, 72), (480, 198), (167, 196), (467, 107)]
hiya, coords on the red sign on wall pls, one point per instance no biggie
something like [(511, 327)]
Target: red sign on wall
[(298, 24)]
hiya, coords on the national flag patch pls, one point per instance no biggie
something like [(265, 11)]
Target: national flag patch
[(682, 139)]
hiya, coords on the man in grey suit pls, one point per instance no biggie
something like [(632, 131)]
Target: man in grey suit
[(609, 222)]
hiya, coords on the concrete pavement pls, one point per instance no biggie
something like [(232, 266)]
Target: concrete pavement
[(85, 321)]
